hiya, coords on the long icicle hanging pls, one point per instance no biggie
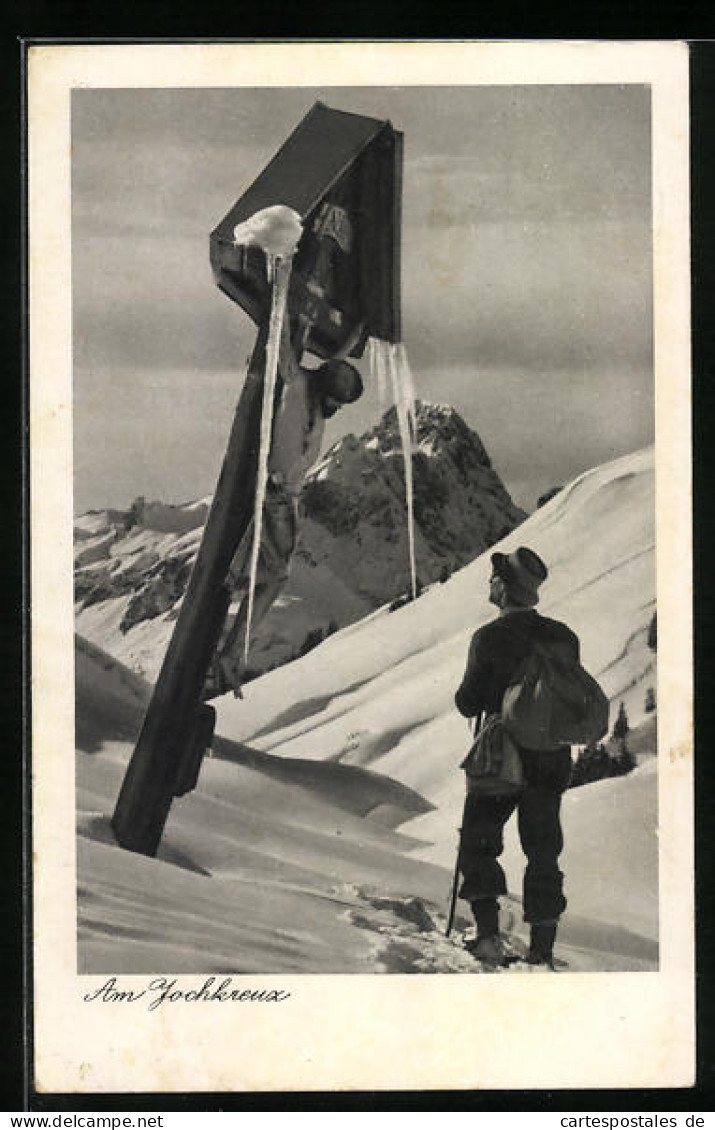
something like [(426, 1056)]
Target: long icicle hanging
[(377, 360), (407, 381), (404, 405), (279, 271)]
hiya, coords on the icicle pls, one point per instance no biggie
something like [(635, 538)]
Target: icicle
[(386, 358), (279, 269), (377, 360), (405, 420), (277, 231), (408, 383)]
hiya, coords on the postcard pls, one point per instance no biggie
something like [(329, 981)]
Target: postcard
[(360, 559)]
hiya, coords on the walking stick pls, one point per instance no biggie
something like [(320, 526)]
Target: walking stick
[(455, 880), (453, 898)]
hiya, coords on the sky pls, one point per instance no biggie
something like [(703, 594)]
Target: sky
[(526, 274)]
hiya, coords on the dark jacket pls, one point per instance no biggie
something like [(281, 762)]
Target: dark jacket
[(495, 652)]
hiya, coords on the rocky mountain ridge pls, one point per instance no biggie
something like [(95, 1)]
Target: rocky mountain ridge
[(132, 567)]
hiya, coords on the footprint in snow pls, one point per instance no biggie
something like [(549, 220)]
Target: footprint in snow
[(412, 940)]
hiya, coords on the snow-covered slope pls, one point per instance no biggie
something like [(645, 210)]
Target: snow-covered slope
[(381, 693), (332, 803), (383, 689), (265, 867)]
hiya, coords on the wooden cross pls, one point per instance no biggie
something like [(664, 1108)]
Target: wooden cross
[(178, 726)]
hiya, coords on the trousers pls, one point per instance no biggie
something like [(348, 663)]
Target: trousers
[(279, 525), (538, 806)]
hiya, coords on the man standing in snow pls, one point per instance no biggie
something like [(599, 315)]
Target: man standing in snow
[(495, 653), (309, 397)]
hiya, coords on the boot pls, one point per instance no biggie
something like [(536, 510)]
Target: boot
[(541, 949), (487, 946), (489, 949)]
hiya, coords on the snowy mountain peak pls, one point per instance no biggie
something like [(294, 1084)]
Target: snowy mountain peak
[(440, 428), (357, 494)]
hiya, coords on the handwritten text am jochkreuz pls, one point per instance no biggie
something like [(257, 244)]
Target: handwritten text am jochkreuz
[(165, 990)]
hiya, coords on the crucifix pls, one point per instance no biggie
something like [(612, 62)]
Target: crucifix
[(341, 174)]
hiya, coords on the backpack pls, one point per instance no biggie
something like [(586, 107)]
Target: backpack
[(553, 701)]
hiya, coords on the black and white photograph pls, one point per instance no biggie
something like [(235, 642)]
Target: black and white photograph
[(364, 404)]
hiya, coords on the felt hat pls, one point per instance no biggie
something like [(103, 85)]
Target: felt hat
[(522, 572)]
